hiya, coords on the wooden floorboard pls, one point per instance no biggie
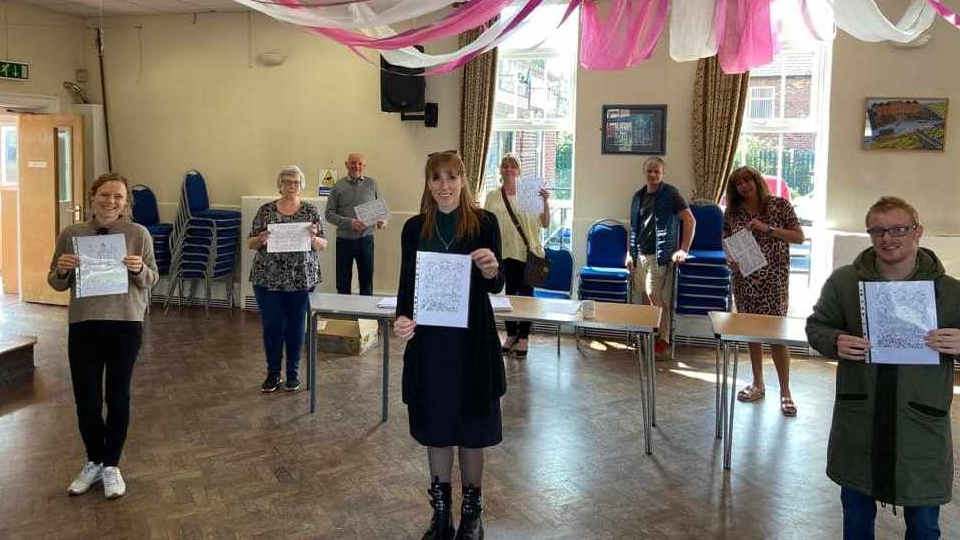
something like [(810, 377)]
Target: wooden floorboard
[(209, 457)]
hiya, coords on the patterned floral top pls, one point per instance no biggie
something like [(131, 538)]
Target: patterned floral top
[(292, 271), (766, 291)]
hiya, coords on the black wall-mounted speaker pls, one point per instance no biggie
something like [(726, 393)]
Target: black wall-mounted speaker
[(401, 89), (431, 113)]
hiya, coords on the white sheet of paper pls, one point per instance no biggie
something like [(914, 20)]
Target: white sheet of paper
[(101, 269), (744, 249), (500, 303), (389, 302), (373, 211), (896, 317), (287, 237), (442, 293), (528, 195)]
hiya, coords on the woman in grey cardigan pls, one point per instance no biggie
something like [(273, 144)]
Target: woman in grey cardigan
[(105, 332)]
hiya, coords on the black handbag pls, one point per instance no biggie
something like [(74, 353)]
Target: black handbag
[(536, 268)]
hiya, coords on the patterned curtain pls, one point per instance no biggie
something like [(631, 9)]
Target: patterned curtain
[(719, 101), (476, 110)]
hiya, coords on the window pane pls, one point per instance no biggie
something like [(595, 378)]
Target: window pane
[(535, 88), (8, 145)]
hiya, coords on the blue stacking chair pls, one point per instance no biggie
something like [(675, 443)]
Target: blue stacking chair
[(559, 282), (702, 283), (605, 277), (147, 213), (205, 242)]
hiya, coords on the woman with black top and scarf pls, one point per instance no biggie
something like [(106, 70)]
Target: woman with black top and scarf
[(453, 378)]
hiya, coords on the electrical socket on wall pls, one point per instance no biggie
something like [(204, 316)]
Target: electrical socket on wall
[(81, 76)]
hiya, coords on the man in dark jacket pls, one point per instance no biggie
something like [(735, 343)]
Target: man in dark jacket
[(890, 440), (657, 242)]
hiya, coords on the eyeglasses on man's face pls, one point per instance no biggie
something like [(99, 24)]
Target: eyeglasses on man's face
[(896, 231), (286, 182)]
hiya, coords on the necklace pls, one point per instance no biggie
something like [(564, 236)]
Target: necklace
[(446, 245)]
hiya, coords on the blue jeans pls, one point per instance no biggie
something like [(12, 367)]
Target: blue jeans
[(283, 316), (360, 250), (860, 511)]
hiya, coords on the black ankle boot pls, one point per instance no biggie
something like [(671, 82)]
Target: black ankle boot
[(471, 528), (441, 526)]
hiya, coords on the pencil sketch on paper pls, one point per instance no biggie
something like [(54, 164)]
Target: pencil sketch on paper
[(528, 195), (743, 248), (101, 269), (442, 293), (287, 237), (897, 317), (373, 211)]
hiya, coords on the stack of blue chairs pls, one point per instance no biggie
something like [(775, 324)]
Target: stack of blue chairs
[(205, 242), (702, 283), (146, 213), (605, 277)]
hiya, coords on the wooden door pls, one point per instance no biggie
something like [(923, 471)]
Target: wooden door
[(51, 196)]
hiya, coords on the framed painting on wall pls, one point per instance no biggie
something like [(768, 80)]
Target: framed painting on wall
[(634, 129), (905, 124)]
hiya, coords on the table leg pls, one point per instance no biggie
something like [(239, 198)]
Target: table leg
[(652, 366), (728, 443), (719, 401), (385, 377), (642, 354), (312, 358)]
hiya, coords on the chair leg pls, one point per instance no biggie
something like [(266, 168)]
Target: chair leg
[(558, 339)]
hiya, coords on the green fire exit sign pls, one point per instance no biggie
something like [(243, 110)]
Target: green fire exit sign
[(14, 70)]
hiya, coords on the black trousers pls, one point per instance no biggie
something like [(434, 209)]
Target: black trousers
[(103, 351), (513, 273), (360, 250)]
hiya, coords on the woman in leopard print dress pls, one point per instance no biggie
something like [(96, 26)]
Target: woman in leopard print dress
[(775, 226)]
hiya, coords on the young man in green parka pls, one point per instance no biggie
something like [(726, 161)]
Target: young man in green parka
[(890, 440)]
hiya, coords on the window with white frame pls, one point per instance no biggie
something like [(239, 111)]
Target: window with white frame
[(8, 147), (533, 116), (784, 126)]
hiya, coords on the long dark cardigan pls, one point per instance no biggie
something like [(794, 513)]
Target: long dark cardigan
[(484, 378)]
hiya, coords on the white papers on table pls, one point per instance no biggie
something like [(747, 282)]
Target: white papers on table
[(373, 211), (101, 269), (500, 303), (528, 195), (743, 248), (896, 317), (387, 302), (442, 292), (287, 237)]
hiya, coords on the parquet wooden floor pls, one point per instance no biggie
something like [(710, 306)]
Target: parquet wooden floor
[(209, 457)]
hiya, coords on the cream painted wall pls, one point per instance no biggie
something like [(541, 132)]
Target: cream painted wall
[(49, 42), (856, 177), (187, 92)]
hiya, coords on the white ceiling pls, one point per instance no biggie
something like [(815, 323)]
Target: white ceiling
[(91, 8)]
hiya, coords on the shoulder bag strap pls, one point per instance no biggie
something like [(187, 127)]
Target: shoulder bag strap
[(516, 222)]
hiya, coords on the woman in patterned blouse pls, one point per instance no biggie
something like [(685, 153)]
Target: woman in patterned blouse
[(282, 281)]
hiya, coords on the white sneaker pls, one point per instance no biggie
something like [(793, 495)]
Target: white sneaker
[(90, 475), (113, 484)]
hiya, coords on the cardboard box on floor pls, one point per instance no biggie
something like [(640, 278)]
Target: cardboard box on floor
[(347, 336)]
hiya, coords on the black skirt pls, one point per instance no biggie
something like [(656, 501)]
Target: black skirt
[(436, 413)]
